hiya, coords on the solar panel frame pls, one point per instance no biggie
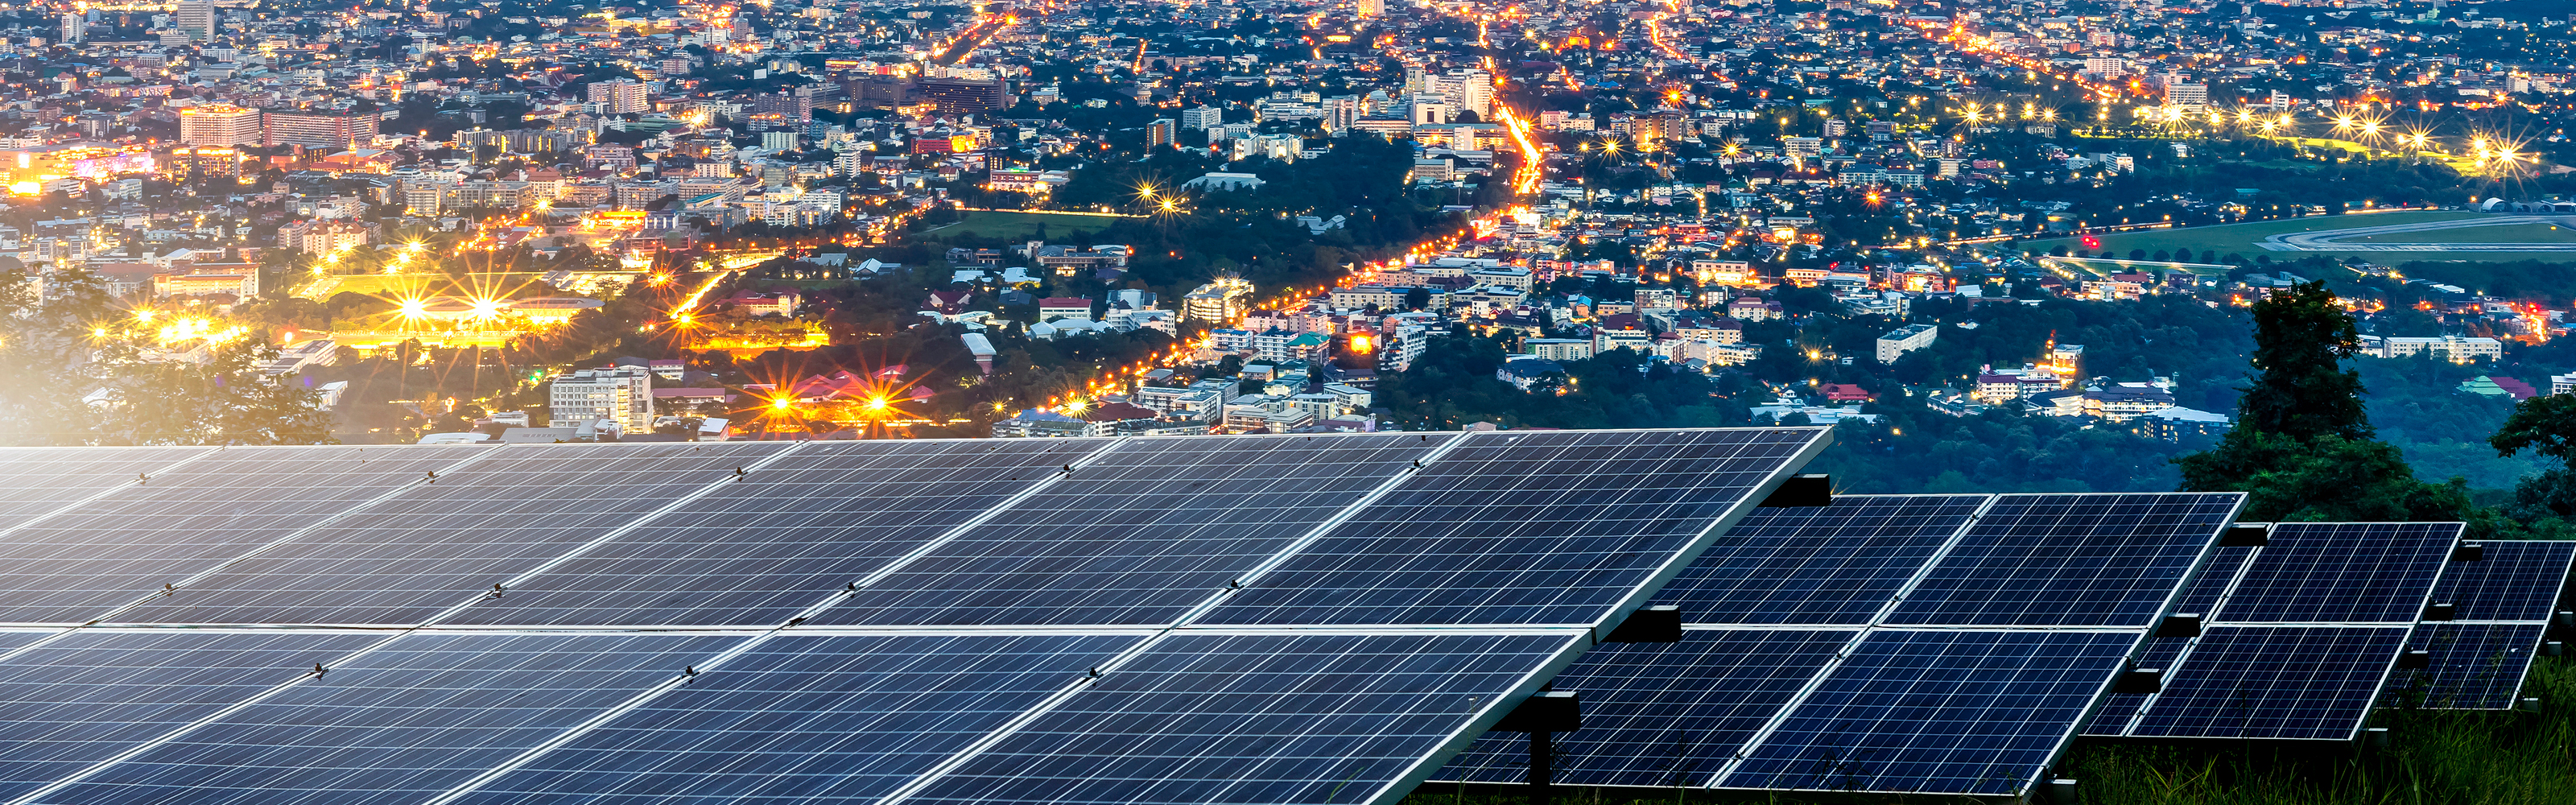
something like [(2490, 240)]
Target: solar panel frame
[(100, 556), (2016, 567), (2474, 666), (2516, 580), (2306, 683), (2303, 571), (765, 549), (1909, 677), (474, 700), (436, 547)]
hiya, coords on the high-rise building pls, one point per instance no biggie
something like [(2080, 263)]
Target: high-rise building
[(219, 124), (1162, 132), (623, 395), (2180, 94), (196, 18), (1472, 90), (1202, 118), (201, 163), (321, 129), (75, 27), (621, 96)]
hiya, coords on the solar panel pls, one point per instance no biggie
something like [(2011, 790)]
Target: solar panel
[(1525, 528), (1950, 712), (764, 549), (2475, 666), (98, 556), (1149, 530), (2342, 573), (36, 481), (2515, 580), (2274, 682), (436, 546), (405, 721), (89, 695), (807, 718), (1269, 718), (1837, 564), (2070, 560), (2216, 577), (1663, 714)]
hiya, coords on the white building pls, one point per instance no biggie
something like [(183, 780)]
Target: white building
[(623, 395), (1905, 339), (2450, 348)]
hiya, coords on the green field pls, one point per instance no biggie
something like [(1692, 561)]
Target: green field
[(1021, 225), (2240, 239)]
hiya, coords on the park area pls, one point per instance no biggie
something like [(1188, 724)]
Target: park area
[(2384, 237)]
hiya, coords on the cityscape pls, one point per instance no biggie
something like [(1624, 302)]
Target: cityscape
[(1869, 274)]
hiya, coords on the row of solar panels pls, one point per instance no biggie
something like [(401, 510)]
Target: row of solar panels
[(1238, 619), (1799, 668), (1244, 619)]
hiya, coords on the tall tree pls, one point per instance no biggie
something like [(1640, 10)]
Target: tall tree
[(2302, 448), (2302, 337)]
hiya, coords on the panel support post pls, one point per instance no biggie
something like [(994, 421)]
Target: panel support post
[(1542, 749)]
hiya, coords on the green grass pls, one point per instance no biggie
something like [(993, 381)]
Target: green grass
[(2239, 239), (2433, 757), (1020, 225)]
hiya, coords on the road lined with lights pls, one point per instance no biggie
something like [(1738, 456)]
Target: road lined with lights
[(1525, 180)]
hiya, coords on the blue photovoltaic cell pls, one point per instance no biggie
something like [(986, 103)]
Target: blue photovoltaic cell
[(808, 718), (99, 556), (35, 481), (401, 723), (2201, 596), (1287, 719), (1946, 712), (2475, 666), (2342, 573), (436, 546), (2112, 717), (1548, 527), (2274, 682), (1145, 532), (762, 550), (2070, 560), (1835, 564), (2517, 580), (1662, 714), (89, 695)]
